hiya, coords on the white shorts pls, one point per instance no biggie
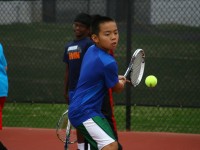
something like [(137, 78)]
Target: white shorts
[(97, 131)]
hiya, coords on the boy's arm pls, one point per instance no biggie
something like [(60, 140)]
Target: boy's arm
[(66, 83), (120, 85)]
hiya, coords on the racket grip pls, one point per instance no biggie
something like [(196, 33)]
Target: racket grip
[(66, 147)]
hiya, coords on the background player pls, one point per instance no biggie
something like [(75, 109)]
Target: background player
[(3, 82), (73, 55), (3, 88)]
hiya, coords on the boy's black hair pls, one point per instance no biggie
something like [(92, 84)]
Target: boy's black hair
[(96, 21), (83, 18)]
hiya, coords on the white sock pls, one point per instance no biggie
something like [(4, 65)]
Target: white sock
[(88, 146), (81, 146)]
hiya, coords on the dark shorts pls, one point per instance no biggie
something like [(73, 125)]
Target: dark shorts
[(2, 101)]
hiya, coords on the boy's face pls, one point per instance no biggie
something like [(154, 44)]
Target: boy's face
[(108, 36), (80, 30)]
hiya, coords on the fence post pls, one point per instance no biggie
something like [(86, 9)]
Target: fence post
[(49, 10), (128, 56)]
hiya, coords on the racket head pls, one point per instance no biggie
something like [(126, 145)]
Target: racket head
[(64, 130), (136, 67)]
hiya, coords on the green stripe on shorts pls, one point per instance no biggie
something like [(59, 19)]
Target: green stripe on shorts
[(104, 125)]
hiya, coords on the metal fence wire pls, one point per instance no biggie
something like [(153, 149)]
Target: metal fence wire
[(34, 34)]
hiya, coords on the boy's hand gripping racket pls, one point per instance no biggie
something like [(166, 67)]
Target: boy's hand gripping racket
[(136, 66), (64, 130)]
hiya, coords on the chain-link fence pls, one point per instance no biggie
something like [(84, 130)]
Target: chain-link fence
[(34, 33)]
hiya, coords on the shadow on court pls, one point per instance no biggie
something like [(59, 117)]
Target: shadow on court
[(46, 139)]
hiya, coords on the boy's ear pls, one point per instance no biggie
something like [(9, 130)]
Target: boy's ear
[(94, 38)]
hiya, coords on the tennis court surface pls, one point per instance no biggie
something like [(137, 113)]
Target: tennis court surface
[(46, 139)]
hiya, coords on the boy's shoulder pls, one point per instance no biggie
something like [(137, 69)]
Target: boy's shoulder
[(104, 56)]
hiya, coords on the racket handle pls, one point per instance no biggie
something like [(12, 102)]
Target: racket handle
[(66, 146)]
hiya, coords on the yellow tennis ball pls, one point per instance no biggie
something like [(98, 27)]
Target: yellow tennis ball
[(151, 81)]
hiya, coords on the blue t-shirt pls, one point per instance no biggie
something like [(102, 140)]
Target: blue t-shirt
[(73, 56), (3, 74), (99, 71)]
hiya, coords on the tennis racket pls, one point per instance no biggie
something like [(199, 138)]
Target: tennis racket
[(136, 66), (65, 131)]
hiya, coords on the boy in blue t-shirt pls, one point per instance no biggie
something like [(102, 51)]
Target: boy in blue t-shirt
[(73, 55), (99, 72)]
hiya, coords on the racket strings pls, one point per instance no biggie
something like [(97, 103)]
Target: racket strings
[(61, 132), (136, 69), (61, 129), (73, 137)]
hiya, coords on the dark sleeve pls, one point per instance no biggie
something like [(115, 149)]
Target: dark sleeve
[(65, 56)]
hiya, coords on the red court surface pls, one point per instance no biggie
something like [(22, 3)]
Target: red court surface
[(45, 139)]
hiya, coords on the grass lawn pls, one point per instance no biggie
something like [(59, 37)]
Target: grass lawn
[(36, 74), (158, 119)]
